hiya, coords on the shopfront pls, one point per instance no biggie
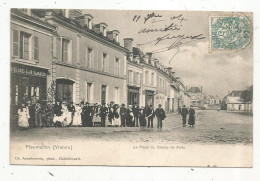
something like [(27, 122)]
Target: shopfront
[(149, 97), (27, 83), (133, 95)]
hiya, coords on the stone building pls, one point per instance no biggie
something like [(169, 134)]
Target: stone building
[(88, 60), (30, 57)]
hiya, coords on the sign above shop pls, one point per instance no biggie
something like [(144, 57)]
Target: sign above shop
[(21, 69)]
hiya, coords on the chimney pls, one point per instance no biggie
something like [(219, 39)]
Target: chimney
[(128, 44), (201, 88), (85, 20), (173, 74), (66, 13), (149, 54), (169, 71)]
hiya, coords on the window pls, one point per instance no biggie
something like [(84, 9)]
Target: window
[(117, 95), (146, 77), (105, 31), (89, 24), (104, 62), (89, 57), (152, 79), (25, 45), (137, 78), (117, 38), (117, 66), (65, 50), (131, 77)]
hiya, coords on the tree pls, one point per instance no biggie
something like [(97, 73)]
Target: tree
[(247, 97)]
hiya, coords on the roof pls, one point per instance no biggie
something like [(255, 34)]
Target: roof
[(236, 93), (194, 90), (231, 100), (212, 97), (137, 51)]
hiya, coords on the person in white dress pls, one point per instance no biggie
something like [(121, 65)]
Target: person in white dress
[(64, 115), (23, 113), (77, 116)]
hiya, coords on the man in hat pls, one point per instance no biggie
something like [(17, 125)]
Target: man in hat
[(149, 113), (184, 113), (136, 114), (123, 115), (103, 114), (160, 114)]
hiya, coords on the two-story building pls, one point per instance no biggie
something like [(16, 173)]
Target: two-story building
[(88, 62), (30, 57)]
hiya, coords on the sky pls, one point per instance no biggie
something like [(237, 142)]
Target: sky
[(216, 72)]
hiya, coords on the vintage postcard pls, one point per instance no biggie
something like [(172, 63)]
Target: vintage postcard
[(131, 88)]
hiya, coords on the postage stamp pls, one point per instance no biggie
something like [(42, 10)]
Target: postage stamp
[(228, 33)]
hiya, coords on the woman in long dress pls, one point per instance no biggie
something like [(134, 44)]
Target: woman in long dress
[(23, 113), (191, 121), (96, 112), (117, 121), (64, 114), (77, 116)]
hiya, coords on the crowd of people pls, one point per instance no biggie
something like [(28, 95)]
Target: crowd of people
[(64, 114)]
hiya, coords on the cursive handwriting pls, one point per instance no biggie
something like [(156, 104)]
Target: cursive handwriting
[(152, 15), (147, 17), (179, 38), (179, 18), (171, 27)]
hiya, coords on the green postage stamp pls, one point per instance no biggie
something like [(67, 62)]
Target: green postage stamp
[(229, 33)]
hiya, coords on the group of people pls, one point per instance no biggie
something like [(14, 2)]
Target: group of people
[(184, 111), (63, 114)]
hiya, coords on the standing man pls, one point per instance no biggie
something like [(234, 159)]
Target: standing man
[(136, 114), (88, 115), (160, 114), (123, 115), (103, 114), (184, 113), (31, 108), (149, 113)]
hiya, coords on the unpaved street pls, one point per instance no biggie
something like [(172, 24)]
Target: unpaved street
[(214, 127)]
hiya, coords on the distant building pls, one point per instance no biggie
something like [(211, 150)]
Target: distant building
[(197, 97), (232, 102), (214, 100)]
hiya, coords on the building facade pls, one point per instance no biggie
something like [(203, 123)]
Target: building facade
[(84, 61), (88, 62), (30, 57)]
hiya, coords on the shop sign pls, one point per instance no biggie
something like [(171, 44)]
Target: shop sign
[(28, 71)]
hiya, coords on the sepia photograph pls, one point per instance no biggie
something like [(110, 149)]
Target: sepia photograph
[(131, 87)]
